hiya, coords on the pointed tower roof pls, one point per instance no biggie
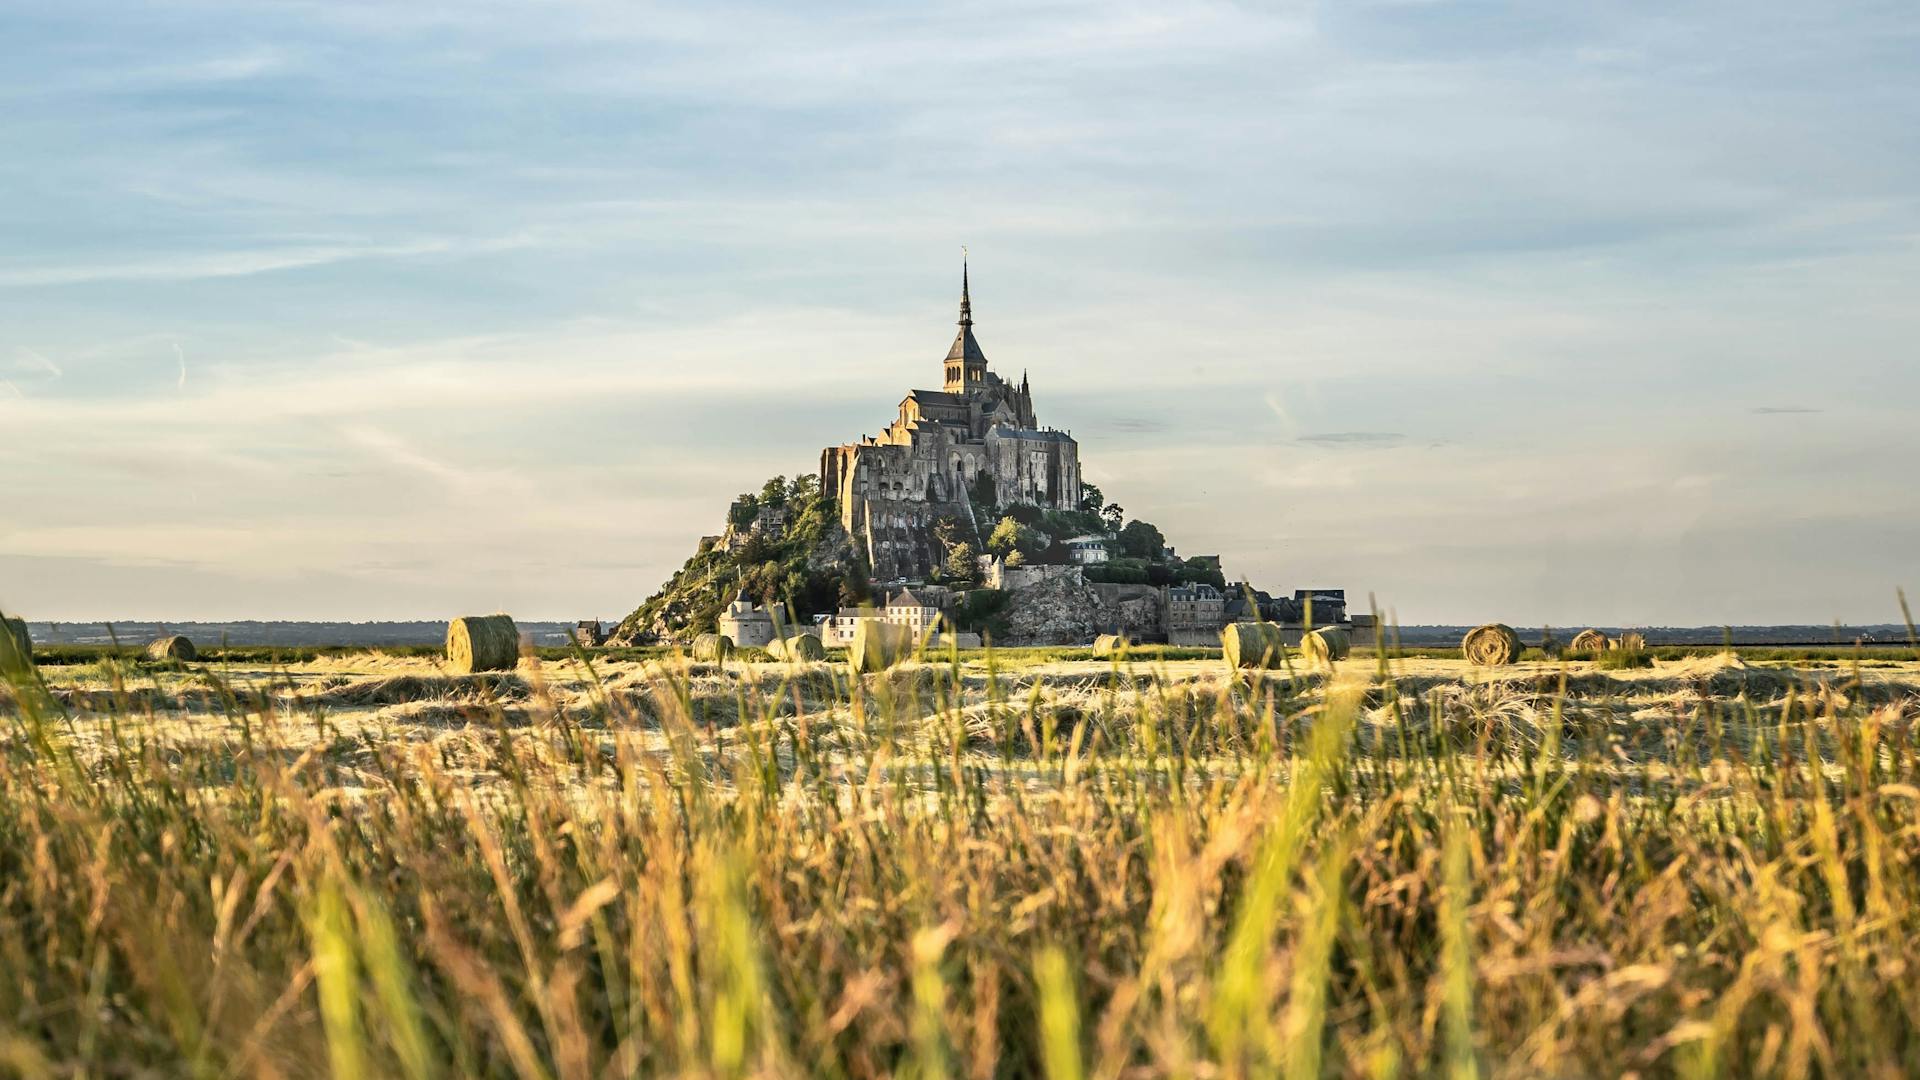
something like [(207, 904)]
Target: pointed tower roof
[(964, 347)]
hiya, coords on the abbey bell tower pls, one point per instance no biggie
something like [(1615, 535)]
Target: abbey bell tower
[(966, 364)]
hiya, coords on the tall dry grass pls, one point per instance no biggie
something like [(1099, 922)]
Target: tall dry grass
[(917, 874)]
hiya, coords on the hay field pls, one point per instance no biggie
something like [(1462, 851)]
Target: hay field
[(363, 865)]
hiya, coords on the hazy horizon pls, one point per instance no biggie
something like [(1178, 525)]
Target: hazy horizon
[(361, 311)]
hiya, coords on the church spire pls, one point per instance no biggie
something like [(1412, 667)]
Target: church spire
[(966, 365), (966, 301)]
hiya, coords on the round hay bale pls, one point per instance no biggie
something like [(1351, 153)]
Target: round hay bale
[(1491, 645), (172, 647), (1109, 645), (712, 648), (798, 648), (1324, 646), (1590, 641), (16, 645), (1631, 641), (1253, 645), (482, 643), (878, 645)]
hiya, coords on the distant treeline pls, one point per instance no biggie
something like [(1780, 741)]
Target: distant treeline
[(261, 632)]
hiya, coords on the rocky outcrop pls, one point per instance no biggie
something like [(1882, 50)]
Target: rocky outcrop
[(1068, 611), (1056, 611), (834, 553)]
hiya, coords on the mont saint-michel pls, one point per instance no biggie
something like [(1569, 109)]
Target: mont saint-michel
[(411, 666), (966, 519)]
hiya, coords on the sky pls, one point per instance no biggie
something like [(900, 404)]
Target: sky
[(1545, 313)]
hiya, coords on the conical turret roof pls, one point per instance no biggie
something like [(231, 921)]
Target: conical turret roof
[(964, 346)]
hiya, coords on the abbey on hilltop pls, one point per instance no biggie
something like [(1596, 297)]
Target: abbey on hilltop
[(976, 440), (964, 517)]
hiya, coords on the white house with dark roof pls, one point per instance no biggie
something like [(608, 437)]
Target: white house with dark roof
[(1089, 550)]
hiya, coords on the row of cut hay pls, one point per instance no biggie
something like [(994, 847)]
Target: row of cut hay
[(401, 689), (148, 699)]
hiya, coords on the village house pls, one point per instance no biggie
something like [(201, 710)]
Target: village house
[(1088, 550), (922, 610), (916, 613), (1195, 614), (1328, 606), (837, 629)]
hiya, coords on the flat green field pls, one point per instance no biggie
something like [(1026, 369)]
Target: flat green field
[(1019, 863)]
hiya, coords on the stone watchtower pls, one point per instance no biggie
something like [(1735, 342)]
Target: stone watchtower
[(966, 364)]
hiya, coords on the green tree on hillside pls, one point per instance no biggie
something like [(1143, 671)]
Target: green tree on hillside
[(962, 564), (742, 512), (1010, 536), (1140, 540), (946, 530)]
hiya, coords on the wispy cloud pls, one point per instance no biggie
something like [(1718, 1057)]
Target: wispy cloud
[(194, 266), (232, 67), (1782, 410), (394, 450), (1353, 438), (29, 362)]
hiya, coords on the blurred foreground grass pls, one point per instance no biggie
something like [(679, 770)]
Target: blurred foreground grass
[(1406, 868)]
